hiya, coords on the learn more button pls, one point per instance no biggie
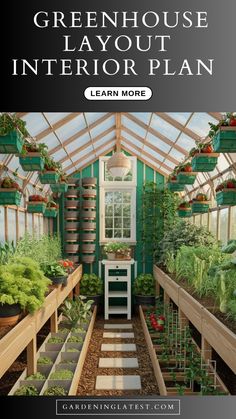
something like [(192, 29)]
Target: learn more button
[(118, 93)]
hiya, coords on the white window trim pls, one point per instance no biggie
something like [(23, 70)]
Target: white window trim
[(132, 189), (103, 182)]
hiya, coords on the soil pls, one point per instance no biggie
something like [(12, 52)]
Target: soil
[(91, 370)]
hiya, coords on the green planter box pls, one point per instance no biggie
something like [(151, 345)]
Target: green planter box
[(36, 207), (50, 213), (204, 162), (225, 140), (59, 187), (49, 177), (175, 187), (186, 178), (11, 143), (32, 162), (183, 213), (10, 197), (200, 208), (226, 197)]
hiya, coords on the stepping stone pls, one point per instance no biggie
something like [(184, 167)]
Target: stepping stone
[(118, 326), (118, 382), (122, 347), (117, 335), (118, 363)]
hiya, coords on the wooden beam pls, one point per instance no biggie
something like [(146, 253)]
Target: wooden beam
[(57, 125), (123, 146), (178, 125), (216, 115), (156, 133), (150, 145), (78, 134), (21, 114)]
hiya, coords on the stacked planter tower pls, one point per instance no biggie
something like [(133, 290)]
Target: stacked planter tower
[(88, 219), (71, 214)]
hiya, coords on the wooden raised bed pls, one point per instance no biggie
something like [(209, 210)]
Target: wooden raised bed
[(24, 334), (214, 333)]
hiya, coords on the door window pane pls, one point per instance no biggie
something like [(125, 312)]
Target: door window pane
[(118, 214)]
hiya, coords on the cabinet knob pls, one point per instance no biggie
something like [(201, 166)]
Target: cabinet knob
[(117, 279), (117, 267)]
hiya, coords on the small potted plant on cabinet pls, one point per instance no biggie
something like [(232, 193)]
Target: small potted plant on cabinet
[(10, 192), (117, 251), (91, 286), (33, 156), (144, 290), (12, 134)]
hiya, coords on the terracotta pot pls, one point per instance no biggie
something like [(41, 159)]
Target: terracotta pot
[(74, 258), (88, 258), (88, 214), (89, 181), (73, 203), (72, 248), (88, 237), (89, 203), (111, 256), (74, 237), (72, 225), (71, 215), (72, 193), (87, 225), (89, 193), (73, 181), (9, 314), (88, 248)]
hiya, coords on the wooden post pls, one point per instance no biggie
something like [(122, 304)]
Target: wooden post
[(158, 289), (183, 320), (77, 289), (31, 356), (206, 349), (166, 298), (54, 322), (70, 296)]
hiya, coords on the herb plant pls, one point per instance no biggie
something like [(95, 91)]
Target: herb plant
[(26, 391), (55, 391), (144, 285), (61, 375), (76, 311), (44, 360), (91, 284), (37, 376)]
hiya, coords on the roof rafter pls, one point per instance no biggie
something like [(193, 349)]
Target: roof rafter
[(178, 125), (216, 115)]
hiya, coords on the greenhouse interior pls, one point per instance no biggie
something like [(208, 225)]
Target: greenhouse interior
[(117, 254)]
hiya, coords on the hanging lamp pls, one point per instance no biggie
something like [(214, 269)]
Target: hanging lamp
[(119, 164)]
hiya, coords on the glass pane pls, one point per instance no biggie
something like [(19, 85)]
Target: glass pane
[(109, 222), (21, 216), (197, 220), (224, 225), (118, 223), (126, 234), (118, 210), (2, 224), (126, 197), (29, 223), (117, 197), (213, 222), (109, 210), (204, 219), (11, 225), (126, 222), (108, 197), (126, 210), (233, 223), (108, 234), (117, 233)]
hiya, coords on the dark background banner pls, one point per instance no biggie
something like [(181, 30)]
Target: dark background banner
[(20, 39)]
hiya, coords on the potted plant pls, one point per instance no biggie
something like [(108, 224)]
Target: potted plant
[(173, 185), (88, 258), (77, 311), (226, 192), (223, 134), (62, 185), (22, 287), (204, 159), (185, 209), (91, 286), (51, 173), (51, 210), (68, 265), (71, 248), (185, 174), (116, 251), (144, 290), (33, 156), (10, 192), (200, 203), (12, 133), (37, 204), (56, 273)]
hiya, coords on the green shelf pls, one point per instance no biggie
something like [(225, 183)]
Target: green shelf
[(204, 162), (225, 140), (11, 143), (10, 197), (226, 197), (49, 177), (32, 163)]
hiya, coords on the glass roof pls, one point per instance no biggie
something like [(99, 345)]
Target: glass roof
[(159, 139)]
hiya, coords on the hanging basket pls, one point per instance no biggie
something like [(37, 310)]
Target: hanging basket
[(10, 197), (32, 162), (185, 212), (175, 187), (49, 177), (204, 162), (11, 143), (50, 213), (186, 178), (36, 207), (225, 140), (59, 187), (226, 197), (200, 207)]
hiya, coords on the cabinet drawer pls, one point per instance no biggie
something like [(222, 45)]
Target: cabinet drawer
[(117, 279)]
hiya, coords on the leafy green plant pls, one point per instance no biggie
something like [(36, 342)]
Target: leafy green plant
[(91, 284), (224, 277), (9, 123), (22, 282), (68, 361), (53, 270), (7, 250), (62, 375), (79, 330), (230, 247), (44, 360), (144, 284), (26, 391), (115, 247), (75, 339), (55, 391), (73, 350), (55, 340), (37, 376), (77, 311)]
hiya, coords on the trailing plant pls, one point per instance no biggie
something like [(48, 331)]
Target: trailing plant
[(44, 360), (144, 284), (77, 311), (62, 375), (9, 123), (34, 147), (229, 119), (36, 376), (22, 282), (91, 284), (55, 391), (26, 391)]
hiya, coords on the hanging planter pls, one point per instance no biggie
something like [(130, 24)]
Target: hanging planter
[(33, 155), (89, 193), (185, 174), (59, 187), (88, 258), (51, 210), (10, 192), (174, 186), (223, 134), (12, 133), (200, 204), (72, 193), (185, 210), (203, 158), (73, 203), (49, 177), (89, 181), (226, 193), (36, 204)]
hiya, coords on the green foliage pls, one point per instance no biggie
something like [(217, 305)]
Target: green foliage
[(144, 284), (7, 250), (91, 284), (224, 277), (61, 375), (230, 247), (68, 361), (37, 376), (9, 123), (79, 330), (26, 391), (77, 311), (44, 360), (73, 350), (75, 339), (54, 270), (55, 340), (55, 391), (231, 309), (22, 282), (115, 247)]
